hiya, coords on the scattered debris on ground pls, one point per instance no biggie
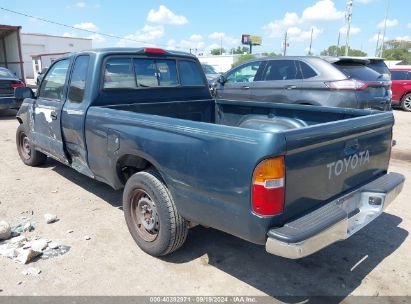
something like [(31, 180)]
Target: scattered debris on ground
[(87, 237), (32, 271), (5, 230), (50, 218), (70, 231), (25, 248)]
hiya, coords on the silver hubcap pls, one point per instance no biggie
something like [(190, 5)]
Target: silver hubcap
[(407, 103)]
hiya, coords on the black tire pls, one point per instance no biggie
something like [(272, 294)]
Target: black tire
[(168, 229), (406, 102), (29, 155)]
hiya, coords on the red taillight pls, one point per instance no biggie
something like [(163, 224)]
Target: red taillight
[(348, 84), (154, 51), (16, 85), (268, 187)]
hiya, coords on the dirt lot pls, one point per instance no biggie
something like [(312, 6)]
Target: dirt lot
[(375, 261)]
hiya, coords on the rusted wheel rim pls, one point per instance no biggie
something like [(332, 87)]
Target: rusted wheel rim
[(144, 215), (25, 148)]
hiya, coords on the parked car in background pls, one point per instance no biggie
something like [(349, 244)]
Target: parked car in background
[(40, 76), (326, 81), (8, 82), (210, 72), (401, 88)]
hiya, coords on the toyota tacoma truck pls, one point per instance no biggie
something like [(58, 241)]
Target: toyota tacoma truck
[(294, 178)]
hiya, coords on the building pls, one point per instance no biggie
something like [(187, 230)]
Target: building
[(221, 63), (40, 50)]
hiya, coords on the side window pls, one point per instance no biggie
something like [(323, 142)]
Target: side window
[(190, 73), (78, 79), (52, 86), (118, 73), (399, 75), (307, 71), (246, 73), (281, 70)]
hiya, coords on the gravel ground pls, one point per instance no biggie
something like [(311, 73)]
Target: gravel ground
[(375, 261)]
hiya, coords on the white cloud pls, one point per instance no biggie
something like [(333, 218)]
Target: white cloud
[(81, 4), (403, 38), (323, 10), (296, 34), (165, 16), (353, 30), (216, 35), (228, 41), (196, 37), (86, 26), (390, 23), (409, 25), (147, 35), (171, 44), (97, 38), (69, 35), (364, 1)]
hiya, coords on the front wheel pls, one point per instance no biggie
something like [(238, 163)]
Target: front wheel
[(406, 103), (27, 153), (151, 214)]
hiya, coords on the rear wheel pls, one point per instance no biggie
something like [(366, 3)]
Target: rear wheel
[(151, 214), (27, 153), (406, 102)]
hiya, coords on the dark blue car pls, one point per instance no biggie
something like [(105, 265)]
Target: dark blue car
[(8, 82)]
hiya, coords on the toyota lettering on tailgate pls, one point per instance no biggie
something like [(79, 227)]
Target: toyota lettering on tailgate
[(349, 163)]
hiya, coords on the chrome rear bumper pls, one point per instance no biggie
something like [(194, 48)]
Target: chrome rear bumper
[(335, 221)]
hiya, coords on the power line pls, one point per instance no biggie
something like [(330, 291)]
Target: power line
[(84, 30)]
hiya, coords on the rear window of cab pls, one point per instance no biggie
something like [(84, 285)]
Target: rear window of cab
[(134, 73)]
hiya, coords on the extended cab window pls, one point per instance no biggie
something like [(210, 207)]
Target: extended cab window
[(52, 86), (119, 73), (246, 73), (281, 70), (155, 72), (307, 71), (78, 79)]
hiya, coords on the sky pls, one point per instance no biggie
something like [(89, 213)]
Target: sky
[(204, 25)]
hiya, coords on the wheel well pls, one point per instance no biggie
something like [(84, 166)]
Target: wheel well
[(19, 120), (405, 94), (129, 164)]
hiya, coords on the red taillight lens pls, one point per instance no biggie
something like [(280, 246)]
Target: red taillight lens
[(16, 85), (348, 84), (268, 187), (154, 51)]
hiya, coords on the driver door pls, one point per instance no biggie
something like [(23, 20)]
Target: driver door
[(47, 111), (240, 81)]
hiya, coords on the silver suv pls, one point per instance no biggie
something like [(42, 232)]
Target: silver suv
[(325, 81)]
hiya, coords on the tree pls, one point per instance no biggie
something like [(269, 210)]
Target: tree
[(398, 50), (217, 51), (243, 58), (332, 50), (271, 54), (240, 50)]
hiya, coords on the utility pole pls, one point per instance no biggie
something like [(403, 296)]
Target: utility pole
[(385, 27), (311, 41), (348, 18), (285, 44), (377, 47), (338, 43)]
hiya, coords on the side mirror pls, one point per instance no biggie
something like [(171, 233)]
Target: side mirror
[(221, 79), (20, 93)]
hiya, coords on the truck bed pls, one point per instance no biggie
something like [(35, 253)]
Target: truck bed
[(185, 138)]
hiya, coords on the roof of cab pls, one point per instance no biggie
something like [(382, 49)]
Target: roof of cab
[(123, 50)]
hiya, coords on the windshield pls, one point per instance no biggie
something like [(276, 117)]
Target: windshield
[(6, 73), (208, 69)]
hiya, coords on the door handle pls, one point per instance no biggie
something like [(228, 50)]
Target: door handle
[(290, 87), (53, 115), (245, 87)]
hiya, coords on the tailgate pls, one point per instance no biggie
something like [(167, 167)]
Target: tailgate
[(326, 160)]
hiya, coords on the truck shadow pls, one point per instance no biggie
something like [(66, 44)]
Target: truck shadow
[(334, 272)]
